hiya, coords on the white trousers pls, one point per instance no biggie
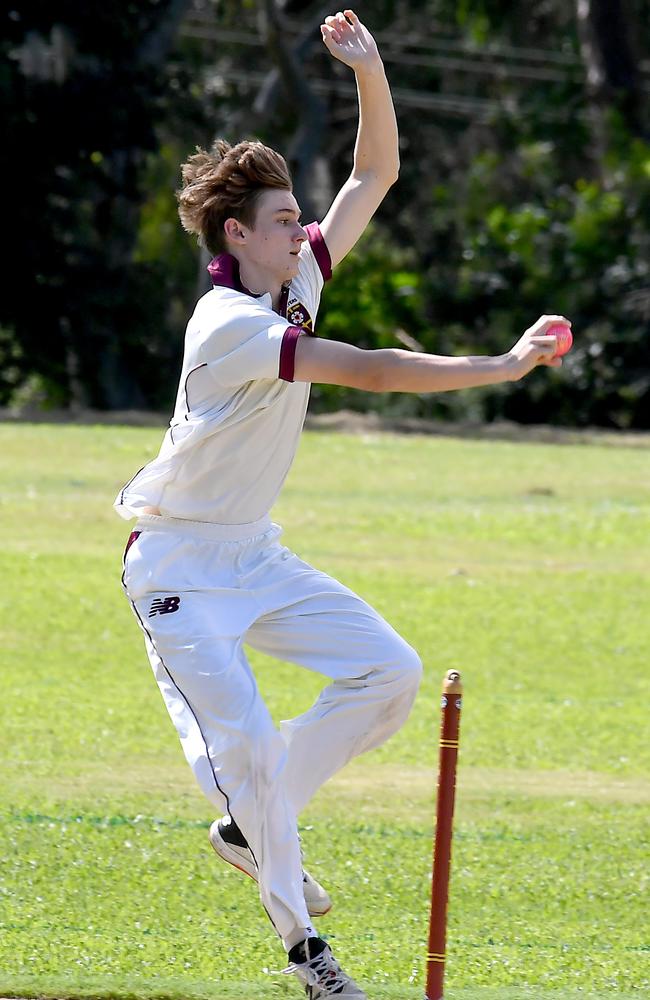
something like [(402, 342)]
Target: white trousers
[(200, 592)]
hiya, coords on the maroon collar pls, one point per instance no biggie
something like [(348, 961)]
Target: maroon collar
[(224, 270)]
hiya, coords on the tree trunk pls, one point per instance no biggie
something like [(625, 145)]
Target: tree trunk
[(309, 174), (605, 33), (118, 386)]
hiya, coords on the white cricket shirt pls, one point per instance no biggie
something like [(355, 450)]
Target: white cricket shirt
[(238, 413)]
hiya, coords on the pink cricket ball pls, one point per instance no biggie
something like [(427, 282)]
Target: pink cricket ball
[(564, 338)]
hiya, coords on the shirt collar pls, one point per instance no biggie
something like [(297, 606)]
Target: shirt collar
[(224, 270)]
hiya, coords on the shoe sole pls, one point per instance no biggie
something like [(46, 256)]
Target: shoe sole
[(231, 857), (226, 853)]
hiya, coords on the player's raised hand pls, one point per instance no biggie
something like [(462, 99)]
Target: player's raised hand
[(536, 347), (348, 40)]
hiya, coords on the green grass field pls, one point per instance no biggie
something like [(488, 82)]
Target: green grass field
[(525, 565)]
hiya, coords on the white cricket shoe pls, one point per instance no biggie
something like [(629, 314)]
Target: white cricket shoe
[(314, 964), (229, 843)]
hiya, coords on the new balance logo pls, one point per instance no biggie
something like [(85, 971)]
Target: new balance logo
[(164, 606)]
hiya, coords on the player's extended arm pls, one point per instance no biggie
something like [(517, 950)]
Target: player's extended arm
[(393, 370), (376, 154)]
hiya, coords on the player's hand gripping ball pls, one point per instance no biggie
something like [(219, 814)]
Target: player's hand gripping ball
[(564, 338)]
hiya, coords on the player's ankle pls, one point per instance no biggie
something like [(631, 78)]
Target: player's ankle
[(307, 949)]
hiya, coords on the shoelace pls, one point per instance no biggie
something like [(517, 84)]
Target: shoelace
[(323, 970)]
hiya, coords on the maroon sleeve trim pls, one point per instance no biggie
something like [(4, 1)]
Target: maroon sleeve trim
[(288, 352), (319, 247)]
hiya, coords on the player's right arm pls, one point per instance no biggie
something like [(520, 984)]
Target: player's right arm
[(376, 152), (393, 370)]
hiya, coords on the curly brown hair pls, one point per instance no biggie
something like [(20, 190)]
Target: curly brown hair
[(225, 183)]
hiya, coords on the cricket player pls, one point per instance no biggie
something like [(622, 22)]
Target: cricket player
[(205, 570)]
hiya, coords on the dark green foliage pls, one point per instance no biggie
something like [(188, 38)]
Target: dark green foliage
[(529, 192), (81, 97), (544, 207), (548, 242)]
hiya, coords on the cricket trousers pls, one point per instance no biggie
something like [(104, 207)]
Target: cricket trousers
[(200, 593)]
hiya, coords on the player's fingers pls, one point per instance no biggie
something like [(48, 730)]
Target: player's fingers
[(347, 30), (351, 16), (544, 340), (330, 35), (545, 321), (551, 320), (329, 42), (544, 353), (552, 362), (339, 23)]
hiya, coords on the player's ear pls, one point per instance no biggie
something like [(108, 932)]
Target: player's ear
[(234, 231)]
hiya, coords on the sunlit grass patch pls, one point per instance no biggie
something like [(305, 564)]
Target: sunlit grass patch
[(524, 565)]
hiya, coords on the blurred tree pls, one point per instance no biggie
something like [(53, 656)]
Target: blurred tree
[(81, 89), (605, 31), (525, 186), (309, 108)]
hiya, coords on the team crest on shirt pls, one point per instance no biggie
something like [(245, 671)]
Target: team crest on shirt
[(298, 314)]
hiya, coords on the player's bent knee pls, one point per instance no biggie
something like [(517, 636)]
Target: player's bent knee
[(415, 667), (405, 677), (410, 668), (400, 675)]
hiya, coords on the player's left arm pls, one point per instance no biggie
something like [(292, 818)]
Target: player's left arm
[(376, 153)]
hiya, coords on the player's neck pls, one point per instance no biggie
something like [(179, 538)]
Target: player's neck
[(258, 281)]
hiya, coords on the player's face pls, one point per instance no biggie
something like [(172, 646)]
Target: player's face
[(273, 245)]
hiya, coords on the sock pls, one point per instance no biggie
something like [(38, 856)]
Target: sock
[(306, 950)]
